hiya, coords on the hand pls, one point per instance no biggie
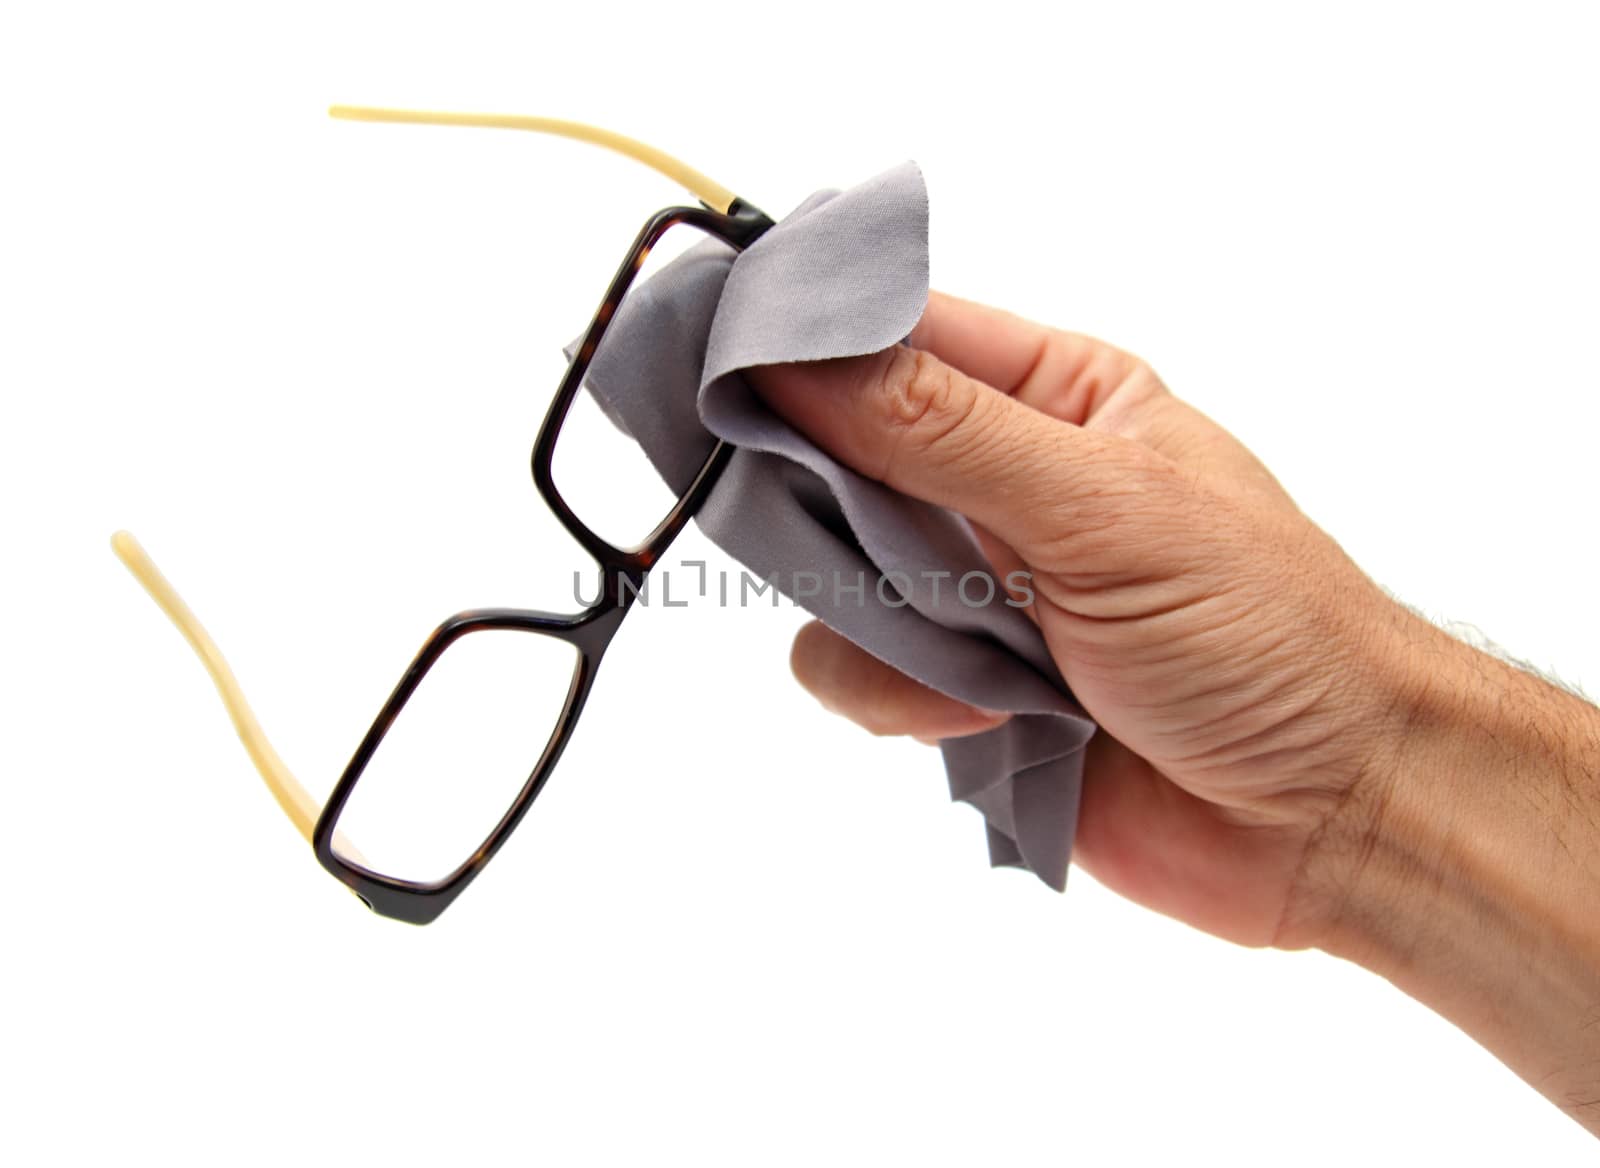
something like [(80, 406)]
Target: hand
[(1287, 755), (1246, 675)]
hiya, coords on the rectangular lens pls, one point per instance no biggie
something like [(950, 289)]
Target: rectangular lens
[(458, 754), (600, 471)]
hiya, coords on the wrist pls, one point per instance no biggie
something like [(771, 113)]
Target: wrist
[(1464, 864)]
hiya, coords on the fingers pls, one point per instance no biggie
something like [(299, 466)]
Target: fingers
[(1081, 380), (850, 681), (1066, 375), (927, 429)]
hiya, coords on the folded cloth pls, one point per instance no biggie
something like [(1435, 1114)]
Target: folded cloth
[(846, 274)]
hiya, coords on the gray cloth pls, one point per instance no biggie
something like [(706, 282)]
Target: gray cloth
[(843, 275)]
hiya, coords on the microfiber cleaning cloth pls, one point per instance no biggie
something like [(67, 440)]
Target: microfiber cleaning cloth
[(843, 275)]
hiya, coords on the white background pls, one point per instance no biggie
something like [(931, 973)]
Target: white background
[(304, 361)]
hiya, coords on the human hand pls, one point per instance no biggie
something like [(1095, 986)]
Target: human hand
[(1287, 755), (1246, 675)]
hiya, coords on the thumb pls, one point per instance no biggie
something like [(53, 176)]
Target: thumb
[(1057, 493)]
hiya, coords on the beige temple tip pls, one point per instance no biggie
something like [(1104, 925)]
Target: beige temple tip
[(286, 789), (712, 194)]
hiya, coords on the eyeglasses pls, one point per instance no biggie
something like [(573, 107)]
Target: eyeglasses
[(428, 812)]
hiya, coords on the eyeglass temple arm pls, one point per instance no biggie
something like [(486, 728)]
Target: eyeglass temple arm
[(712, 194), (297, 804)]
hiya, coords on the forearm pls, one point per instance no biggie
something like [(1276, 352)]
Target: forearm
[(1466, 867)]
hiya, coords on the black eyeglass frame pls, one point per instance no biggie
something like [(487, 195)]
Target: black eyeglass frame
[(623, 571)]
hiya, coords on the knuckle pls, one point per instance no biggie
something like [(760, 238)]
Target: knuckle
[(922, 401)]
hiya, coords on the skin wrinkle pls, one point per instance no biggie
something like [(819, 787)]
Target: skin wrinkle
[(1133, 670), (1310, 803), (1099, 528), (1179, 606), (1242, 750), (1027, 385), (1367, 799), (1084, 539), (1108, 404), (1239, 681), (1269, 722), (1208, 743)]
